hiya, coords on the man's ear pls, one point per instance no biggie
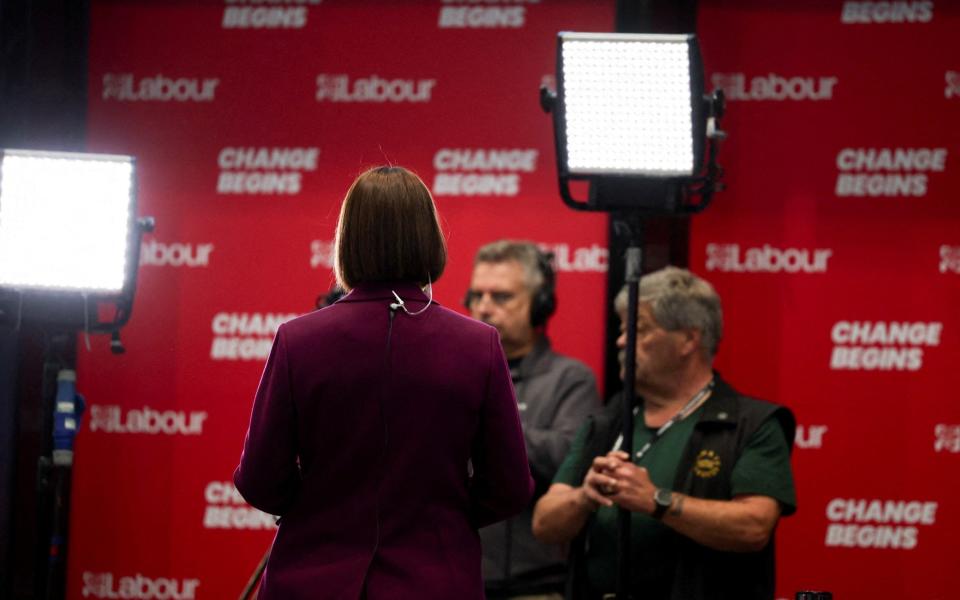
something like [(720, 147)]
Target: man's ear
[(690, 341)]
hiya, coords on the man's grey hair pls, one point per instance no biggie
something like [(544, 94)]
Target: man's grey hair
[(524, 252), (680, 300)]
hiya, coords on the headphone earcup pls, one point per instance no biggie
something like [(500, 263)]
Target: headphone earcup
[(542, 307), (544, 302)]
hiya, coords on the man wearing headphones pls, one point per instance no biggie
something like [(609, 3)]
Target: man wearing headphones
[(513, 289)]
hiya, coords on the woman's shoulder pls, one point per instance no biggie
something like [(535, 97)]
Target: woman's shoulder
[(462, 324)]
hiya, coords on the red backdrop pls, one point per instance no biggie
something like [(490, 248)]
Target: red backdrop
[(836, 249)]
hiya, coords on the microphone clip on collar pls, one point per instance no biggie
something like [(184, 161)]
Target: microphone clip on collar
[(400, 305)]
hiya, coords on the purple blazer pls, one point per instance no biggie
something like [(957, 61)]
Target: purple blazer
[(364, 450)]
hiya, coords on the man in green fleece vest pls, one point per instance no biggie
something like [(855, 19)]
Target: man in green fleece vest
[(709, 478)]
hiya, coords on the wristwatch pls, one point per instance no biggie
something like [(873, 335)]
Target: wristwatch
[(662, 499)]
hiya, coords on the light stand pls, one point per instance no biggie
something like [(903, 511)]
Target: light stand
[(633, 190), (69, 243)]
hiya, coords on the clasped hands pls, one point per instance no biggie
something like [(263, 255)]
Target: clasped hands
[(614, 479)]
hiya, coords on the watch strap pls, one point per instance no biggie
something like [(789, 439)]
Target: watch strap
[(660, 507), (659, 511)]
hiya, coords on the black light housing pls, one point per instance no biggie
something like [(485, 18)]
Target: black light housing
[(69, 237), (630, 116)]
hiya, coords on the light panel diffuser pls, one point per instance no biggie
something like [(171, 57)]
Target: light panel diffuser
[(627, 104), (64, 220)]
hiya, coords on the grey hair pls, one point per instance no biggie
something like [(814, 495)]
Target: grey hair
[(524, 252), (680, 300)]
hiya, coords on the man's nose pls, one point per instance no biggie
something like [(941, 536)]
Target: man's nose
[(622, 340), (481, 306), (485, 312)]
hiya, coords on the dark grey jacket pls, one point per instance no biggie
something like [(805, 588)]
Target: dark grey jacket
[(555, 395)]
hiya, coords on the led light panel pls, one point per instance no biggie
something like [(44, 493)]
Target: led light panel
[(64, 220), (627, 104)]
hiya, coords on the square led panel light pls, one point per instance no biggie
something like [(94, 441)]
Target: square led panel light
[(629, 104), (65, 220)]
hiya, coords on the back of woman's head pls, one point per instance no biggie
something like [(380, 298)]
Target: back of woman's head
[(388, 231)]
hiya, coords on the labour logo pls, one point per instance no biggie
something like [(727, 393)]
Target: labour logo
[(949, 259), (722, 257), (948, 438), (707, 464), (321, 254), (953, 84)]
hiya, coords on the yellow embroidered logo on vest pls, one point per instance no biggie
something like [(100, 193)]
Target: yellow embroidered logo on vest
[(707, 464)]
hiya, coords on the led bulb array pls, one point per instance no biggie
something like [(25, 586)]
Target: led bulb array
[(64, 220), (627, 107)]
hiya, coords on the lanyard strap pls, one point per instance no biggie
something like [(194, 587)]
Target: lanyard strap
[(684, 412)]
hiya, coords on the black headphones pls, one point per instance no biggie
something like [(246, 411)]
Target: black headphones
[(544, 301)]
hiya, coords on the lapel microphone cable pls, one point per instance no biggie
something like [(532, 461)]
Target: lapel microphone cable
[(381, 405), (399, 304)]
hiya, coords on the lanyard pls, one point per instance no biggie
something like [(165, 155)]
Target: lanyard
[(688, 408)]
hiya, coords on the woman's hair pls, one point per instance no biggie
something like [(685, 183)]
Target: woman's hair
[(388, 231)]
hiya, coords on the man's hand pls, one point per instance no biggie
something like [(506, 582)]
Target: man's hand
[(562, 512), (741, 524), (633, 490), (601, 481)]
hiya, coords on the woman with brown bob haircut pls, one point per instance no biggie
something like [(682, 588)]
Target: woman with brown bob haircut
[(384, 431), (388, 231)]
